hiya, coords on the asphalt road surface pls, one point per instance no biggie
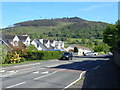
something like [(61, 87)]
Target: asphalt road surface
[(48, 74)]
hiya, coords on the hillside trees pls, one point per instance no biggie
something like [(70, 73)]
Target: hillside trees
[(73, 27)]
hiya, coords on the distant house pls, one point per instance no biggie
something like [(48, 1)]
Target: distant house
[(38, 43), (14, 40), (44, 44), (81, 49), (24, 39)]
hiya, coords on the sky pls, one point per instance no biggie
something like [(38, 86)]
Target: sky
[(14, 12)]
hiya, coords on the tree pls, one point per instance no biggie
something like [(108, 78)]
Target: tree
[(111, 35), (75, 49), (101, 48)]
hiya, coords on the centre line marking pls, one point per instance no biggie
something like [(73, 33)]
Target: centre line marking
[(16, 85), (48, 74)]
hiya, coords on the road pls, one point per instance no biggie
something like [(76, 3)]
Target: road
[(48, 74)]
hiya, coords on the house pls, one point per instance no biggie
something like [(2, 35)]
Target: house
[(38, 43), (14, 40), (24, 39), (44, 44), (81, 49)]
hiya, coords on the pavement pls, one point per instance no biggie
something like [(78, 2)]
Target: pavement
[(107, 75)]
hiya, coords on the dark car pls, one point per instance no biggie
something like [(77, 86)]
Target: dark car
[(67, 55)]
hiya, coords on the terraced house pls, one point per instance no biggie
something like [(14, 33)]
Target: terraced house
[(44, 44)]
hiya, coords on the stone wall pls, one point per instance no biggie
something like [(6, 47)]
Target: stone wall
[(116, 57)]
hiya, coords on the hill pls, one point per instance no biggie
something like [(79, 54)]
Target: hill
[(59, 28)]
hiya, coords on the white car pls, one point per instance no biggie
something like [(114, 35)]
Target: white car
[(90, 54), (94, 53)]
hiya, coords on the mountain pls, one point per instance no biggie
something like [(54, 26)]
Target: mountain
[(59, 28)]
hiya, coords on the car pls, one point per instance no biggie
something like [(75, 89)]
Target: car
[(95, 53), (67, 55), (90, 54)]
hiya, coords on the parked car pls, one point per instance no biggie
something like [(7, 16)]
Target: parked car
[(67, 55), (95, 53), (90, 54)]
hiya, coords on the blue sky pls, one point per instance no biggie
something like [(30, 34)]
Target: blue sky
[(14, 12)]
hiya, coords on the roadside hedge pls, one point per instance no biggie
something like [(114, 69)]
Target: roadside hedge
[(43, 55), (34, 55)]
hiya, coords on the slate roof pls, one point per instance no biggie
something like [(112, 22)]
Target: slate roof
[(45, 41), (7, 37), (22, 38), (51, 41)]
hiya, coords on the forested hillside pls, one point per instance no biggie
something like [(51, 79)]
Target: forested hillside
[(59, 28)]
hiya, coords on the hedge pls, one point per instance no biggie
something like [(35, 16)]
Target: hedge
[(44, 55), (34, 55)]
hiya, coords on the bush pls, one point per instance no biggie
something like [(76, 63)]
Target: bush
[(8, 57), (23, 59), (44, 55), (21, 56), (15, 58)]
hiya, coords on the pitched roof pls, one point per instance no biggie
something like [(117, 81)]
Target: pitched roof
[(45, 41), (51, 41), (85, 48), (7, 37), (22, 38)]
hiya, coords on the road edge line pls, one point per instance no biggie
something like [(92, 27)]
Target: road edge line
[(75, 80)]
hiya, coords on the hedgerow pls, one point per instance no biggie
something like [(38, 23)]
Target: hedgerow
[(32, 55)]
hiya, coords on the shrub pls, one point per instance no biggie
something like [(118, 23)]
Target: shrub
[(44, 55), (8, 57), (23, 59), (15, 58)]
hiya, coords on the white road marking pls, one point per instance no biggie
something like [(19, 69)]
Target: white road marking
[(47, 74), (10, 74), (12, 71), (36, 72), (2, 70), (16, 85), (75, 80)]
